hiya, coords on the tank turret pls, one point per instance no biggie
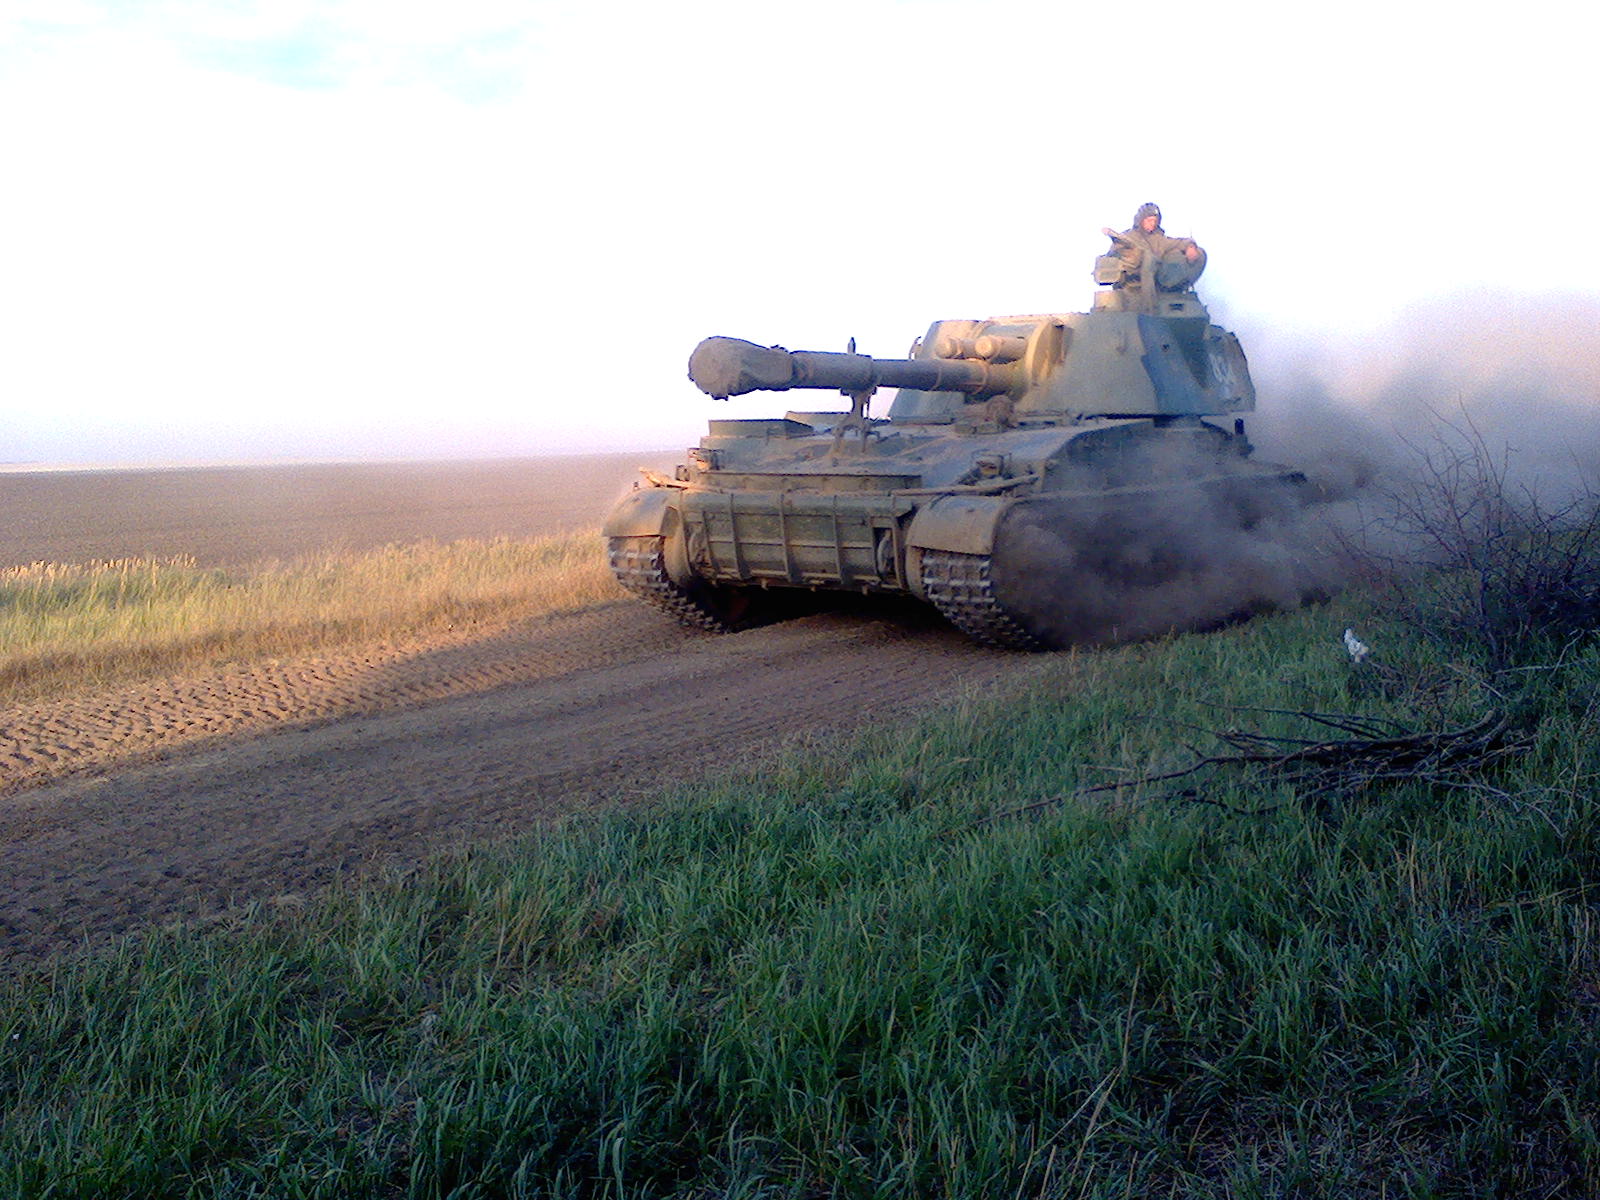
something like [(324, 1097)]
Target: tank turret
[(1058, 365)]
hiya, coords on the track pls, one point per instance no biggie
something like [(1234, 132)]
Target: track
[(178, 799)]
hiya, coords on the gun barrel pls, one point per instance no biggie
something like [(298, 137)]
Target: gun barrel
[(724, 366)]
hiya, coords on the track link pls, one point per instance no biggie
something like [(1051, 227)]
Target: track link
[(961, 587), (640, 565)]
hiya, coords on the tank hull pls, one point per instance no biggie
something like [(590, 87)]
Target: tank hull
[(953, 517)]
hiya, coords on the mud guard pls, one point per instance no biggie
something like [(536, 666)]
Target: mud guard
[(641, 513), (955, 524)]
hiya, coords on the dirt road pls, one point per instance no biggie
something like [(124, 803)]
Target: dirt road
[(177, 799)]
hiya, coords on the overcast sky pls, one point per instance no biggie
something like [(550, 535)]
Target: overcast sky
[(331, 229)]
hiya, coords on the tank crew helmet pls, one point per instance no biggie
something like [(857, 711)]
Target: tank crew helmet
[(1147, 210)]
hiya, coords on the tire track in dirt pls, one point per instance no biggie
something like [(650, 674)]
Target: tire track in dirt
[(276, 782), (116, 726)]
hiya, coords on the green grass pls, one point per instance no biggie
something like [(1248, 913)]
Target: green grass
[(69, 626), (832, 977)]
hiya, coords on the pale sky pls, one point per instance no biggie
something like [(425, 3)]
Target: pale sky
[(334, 229)]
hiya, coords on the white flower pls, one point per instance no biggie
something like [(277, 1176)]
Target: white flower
[(1358, 649)]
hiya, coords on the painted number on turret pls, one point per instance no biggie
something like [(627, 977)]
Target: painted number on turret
[(1222, 370)]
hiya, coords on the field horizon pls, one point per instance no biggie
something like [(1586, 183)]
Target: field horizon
[(233, 515)]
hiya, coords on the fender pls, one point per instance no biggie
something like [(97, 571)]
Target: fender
[(958, 524), (641, 513)]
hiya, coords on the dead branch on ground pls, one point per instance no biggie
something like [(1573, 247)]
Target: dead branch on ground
[(1325, 770)]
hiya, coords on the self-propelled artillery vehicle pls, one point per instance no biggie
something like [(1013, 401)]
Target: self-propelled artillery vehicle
[(1024, 460)]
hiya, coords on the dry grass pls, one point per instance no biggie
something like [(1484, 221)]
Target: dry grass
[(66, 627)]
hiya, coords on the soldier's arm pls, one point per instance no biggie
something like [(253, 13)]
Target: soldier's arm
[(1188, 247)]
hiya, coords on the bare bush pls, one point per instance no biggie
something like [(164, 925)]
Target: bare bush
[(1513, 572)]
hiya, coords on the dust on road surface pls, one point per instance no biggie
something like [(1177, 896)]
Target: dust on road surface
[(177, 799)]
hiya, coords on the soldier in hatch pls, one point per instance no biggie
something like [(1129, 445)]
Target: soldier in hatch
[(1176, 263)]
